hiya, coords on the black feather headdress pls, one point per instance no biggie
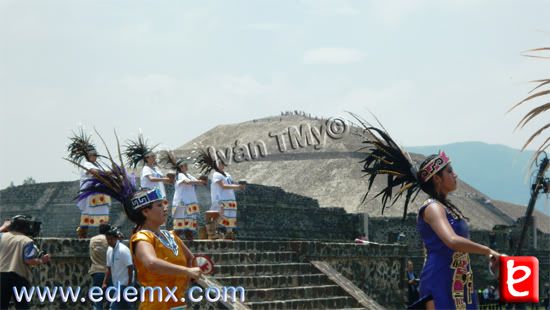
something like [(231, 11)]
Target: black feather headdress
[(80, 146), (385, 157), (136, 150), (115, 182), (206, 162), (168, 159)]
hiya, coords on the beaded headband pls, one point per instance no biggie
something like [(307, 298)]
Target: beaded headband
[(145, 198), (434, 166)]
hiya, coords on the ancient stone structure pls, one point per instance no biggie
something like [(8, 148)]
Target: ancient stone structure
[(276, 270), (301, 217), (275, 274), (310, 157)]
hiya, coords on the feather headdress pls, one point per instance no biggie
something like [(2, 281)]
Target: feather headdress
[(137, 150), (115, 182), (168, 159), (80, 146), (385, 157), (206, 162)]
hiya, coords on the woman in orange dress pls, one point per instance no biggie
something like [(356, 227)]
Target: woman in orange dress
[(161, 259)]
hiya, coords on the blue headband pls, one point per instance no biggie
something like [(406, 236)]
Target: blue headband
[(145, 198)]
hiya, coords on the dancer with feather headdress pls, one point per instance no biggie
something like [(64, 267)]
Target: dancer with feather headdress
[(223, 210), (446, 281), (185, 205), (95, 208), (161, 258), (138, 151)]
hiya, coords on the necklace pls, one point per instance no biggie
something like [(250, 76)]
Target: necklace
[(167, 240)]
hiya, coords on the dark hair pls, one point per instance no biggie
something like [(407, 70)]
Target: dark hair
[(113, 232), (178, 169), (103, 228), (138, 218), (25, 224), (147, 155), (90, 152), (429, 188)]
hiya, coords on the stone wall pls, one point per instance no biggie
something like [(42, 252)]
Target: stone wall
[(264, 212), (377, 269), (386, 230)]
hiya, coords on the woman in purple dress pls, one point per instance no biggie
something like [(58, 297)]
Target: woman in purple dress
[(446, 281)]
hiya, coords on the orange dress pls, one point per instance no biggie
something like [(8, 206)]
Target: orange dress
[(148, 279)]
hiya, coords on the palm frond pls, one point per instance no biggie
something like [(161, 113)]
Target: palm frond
[(533, 113), (541, 84), (529, 116), (533, 136)]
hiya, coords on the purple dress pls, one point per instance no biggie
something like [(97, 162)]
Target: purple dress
[(447, 275)]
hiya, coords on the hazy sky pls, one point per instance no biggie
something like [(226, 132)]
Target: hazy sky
[(434, 72)]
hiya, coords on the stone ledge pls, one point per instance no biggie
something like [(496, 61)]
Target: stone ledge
[(347, 285)]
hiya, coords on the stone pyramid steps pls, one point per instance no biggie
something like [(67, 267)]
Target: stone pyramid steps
[(223, 246), (293, 292), (334, 302), (237, 258), (273, 276), (275, 281), (264, 269)]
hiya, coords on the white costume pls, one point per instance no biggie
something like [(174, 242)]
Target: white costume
[(224, 198), (154, 172), (185, 206), (95, 208)]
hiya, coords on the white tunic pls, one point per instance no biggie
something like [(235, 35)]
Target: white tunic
[(184, 193), (217, 192), (154, 172), (84, 175)]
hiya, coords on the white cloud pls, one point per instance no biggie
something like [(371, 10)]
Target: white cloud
[(332, 56)]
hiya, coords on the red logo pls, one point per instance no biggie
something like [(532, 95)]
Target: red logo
[(519, 279)]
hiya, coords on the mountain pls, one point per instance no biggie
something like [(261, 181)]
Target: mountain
[(498, 171)]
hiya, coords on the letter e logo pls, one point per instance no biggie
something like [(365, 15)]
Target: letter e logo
[(519, 279)]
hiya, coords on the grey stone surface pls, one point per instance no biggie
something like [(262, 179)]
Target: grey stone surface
[(329, 172), (264, 212), (294, 283)]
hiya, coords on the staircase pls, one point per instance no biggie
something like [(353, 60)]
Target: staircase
[(273, 277)]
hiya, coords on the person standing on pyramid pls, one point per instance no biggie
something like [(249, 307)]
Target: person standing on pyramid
[(152, 177), (161, 258), (185, 205), (447, 280), (95, 207), (223, 210)]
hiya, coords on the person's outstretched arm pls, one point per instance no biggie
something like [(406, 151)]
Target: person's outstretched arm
[(436, 217)]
